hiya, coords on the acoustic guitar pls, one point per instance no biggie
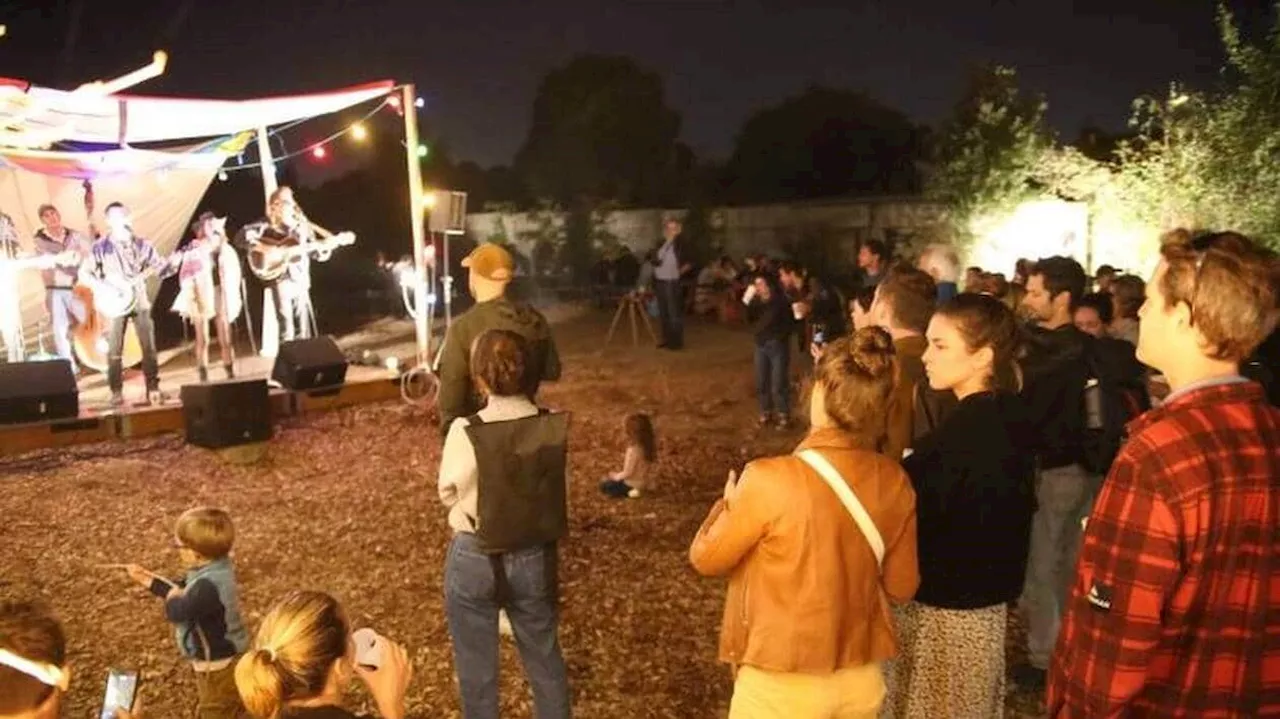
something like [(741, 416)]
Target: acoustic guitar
[(90, 338), (269, 262)]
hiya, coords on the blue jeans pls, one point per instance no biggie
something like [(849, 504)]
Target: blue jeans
[(472, 611), (670, 312), (773, 376)]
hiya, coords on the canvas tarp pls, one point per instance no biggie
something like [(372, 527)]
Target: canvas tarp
[(58, 115)]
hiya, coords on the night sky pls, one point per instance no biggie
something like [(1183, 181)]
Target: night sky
[(478, 63)]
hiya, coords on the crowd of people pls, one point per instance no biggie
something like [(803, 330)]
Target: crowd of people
[(1097, 460), (1094, 457)]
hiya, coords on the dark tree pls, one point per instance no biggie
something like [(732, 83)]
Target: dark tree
[(601, 129), (821, 143)]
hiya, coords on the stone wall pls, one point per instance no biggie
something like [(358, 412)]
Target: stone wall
[(777, 229)]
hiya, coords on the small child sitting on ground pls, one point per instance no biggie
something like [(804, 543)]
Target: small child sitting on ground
[(632, 479)]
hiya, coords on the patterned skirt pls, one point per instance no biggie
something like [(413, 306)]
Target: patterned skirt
[(950, 663)]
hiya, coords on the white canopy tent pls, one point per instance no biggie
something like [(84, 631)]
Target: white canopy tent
[(162, 188)]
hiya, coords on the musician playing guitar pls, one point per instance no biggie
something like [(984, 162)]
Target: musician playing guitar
[(64, 308), (279, 251), (10, 310), (117, 269), (13, 260)]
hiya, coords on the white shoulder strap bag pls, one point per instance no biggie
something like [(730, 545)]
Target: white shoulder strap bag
[(849, 500)]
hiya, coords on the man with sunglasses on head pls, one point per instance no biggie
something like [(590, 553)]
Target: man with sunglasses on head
[(1173, 610), (33, 664)]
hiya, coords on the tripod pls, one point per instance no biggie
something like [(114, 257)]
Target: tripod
[(631, 305)]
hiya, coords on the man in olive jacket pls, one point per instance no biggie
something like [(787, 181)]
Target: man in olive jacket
[(490, 271)]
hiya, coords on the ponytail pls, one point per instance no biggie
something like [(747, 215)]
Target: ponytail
[(293, 653), (260, 684)]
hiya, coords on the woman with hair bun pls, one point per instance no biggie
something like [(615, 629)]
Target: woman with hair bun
[(303, 657), (815, 543), (974, 484)]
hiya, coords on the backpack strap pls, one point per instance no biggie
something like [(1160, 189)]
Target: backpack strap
[(850, 501)]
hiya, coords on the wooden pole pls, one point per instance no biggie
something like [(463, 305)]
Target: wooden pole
[(267, 165), (417, 211)]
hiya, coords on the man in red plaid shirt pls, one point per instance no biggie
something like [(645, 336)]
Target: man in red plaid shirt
[(1175, 610)]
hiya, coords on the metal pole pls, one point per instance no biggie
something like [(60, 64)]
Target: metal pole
[(417, 208)]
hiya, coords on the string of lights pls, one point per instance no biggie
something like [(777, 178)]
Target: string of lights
[(358, 130)]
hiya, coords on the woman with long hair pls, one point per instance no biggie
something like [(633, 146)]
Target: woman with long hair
[(209, 289), (974, 485), (303, 657), (815, 544)]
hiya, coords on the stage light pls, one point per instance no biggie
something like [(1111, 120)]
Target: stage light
[(222, 175), (358, 132), (419, 103), (319, 152), (392, 363), (428, 199), (430, 251), (422, 150), (394, 101)]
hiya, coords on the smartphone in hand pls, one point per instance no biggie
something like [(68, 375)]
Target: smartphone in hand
[(122, 690)]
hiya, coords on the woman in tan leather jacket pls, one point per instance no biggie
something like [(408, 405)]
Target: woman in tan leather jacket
[(806, 621)]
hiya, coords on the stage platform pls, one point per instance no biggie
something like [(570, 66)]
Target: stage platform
[(98, 423)]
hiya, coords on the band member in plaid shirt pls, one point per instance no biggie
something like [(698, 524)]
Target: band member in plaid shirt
[(1173, 612)]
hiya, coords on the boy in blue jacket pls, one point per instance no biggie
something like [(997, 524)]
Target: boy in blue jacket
[(204, 609)]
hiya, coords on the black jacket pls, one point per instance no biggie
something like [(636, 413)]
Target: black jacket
[(1054, 375), (772, 319), (975, 497)]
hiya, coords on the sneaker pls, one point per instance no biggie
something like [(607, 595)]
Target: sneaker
[(116, 401), (1029, 678), (155, 396), (230, 370)]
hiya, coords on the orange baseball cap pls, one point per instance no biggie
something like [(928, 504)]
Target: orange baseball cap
[(491, 262)]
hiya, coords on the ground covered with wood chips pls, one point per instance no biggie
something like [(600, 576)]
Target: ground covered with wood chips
[(344, 502)]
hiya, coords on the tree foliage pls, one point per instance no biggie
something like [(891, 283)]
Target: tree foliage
[(1212, 159), (821, 143), (986, 157), (601, 129)]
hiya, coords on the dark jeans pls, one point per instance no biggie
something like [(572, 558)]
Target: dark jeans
[(670, 312), (285, 305), (471, 609), (115, 348), (773, 376)]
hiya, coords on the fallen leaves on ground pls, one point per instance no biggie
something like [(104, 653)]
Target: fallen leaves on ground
[(344, 502)]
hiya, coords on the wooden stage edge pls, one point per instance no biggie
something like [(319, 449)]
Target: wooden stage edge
[(364, 385)]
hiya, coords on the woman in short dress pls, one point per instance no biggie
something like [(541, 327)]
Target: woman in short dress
[(974, 483), (209, 281)]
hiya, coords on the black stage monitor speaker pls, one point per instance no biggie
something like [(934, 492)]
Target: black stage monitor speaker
[(310, 364), (38, 392), (227, 414)]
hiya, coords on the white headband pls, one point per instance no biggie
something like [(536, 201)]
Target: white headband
[(41, 672)]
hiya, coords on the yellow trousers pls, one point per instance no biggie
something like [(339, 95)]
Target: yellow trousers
[(847, 694)]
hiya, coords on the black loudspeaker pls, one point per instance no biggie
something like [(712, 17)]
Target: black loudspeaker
[(310, 364), (38, 392), (227, 414)]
